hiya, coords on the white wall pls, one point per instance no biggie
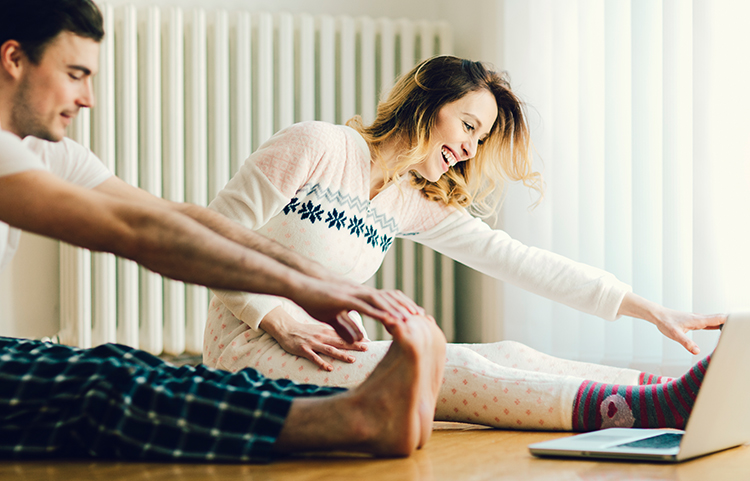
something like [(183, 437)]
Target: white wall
[(29, 299), (29, 286), (476, 23), (415, 9)]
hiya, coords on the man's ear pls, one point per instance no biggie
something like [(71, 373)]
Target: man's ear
[(12, 58)]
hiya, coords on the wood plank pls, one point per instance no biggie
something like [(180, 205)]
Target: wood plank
[(455, 452)]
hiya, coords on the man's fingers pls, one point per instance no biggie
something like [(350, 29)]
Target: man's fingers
[(380, 304), (398, 306), (406, 301), (377, 314)]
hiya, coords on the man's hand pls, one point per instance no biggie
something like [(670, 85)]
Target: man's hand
[(329, 302)]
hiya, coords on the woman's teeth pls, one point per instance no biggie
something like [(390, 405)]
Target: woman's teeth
[(448, 156)]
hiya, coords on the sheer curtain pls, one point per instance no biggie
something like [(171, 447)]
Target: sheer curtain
[(639, 116)]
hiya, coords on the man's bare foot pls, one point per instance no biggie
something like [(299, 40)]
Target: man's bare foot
[(390, 414)]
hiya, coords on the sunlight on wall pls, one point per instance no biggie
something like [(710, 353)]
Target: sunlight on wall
[(638, 115)]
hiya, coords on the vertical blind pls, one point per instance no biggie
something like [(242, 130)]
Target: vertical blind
[(639, 118)]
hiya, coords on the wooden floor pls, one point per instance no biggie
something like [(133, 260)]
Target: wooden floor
[(455, 452)]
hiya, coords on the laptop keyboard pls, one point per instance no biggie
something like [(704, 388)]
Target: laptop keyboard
[(662, 441)]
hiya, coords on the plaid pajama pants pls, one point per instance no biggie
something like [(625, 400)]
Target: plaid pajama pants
[(113, 401)]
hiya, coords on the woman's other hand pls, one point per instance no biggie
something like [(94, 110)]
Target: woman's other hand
[(309, 340)]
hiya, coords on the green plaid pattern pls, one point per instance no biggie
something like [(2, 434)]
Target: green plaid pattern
[(114, 401)]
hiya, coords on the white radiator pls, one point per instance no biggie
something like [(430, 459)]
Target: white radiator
[(182, 98)]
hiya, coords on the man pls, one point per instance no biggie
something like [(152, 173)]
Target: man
[(114, 401)]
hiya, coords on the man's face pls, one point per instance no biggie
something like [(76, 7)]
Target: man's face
[(50, 94)]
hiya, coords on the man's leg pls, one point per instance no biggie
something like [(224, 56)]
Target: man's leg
[(391, 413), (113, 401)]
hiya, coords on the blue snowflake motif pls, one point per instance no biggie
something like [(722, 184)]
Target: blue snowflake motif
[(356, 226), (336, 219), (372, 236), (291, 206), (311, 212), (385, 242)]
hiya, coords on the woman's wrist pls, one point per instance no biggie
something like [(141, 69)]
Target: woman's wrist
[(634, 305), (273, 321)]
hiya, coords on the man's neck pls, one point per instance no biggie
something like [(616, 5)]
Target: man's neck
[(5, 92), (5, 123)]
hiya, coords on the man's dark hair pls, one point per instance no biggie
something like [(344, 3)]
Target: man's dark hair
[(35, 23)]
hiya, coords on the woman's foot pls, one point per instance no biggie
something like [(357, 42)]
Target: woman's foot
[(667, 405)]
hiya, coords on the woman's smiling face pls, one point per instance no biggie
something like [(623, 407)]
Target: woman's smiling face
[(460, 126)]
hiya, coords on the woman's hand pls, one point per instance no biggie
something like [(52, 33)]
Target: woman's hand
[(308, 340), (671, 323)]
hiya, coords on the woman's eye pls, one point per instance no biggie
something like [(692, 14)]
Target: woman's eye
[(468, 126), (73, 76)]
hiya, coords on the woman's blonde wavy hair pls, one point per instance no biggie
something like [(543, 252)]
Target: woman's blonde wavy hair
[(409, 113)]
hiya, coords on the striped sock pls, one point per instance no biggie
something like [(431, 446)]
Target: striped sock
[(645, 378), (598, 405)]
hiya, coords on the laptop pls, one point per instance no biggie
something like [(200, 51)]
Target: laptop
[(718, 421)]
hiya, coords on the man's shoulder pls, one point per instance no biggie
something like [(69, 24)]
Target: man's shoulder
[(53, 150), (15, 156), (69, 160)]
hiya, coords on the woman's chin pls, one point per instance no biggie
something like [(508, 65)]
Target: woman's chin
[(430, 176)]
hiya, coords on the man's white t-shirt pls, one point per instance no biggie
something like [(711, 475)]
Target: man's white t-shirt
[(66, 159)]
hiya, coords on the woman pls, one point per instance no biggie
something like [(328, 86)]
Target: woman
[(447, 137)]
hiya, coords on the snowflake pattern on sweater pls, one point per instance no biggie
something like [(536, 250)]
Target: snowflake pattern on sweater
[(337, 217)]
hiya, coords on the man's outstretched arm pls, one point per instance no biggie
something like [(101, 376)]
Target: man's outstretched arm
[(394, 302), (174, 245), (217, 223)]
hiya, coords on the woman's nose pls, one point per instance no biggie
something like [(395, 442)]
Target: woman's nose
[(469, 149)]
